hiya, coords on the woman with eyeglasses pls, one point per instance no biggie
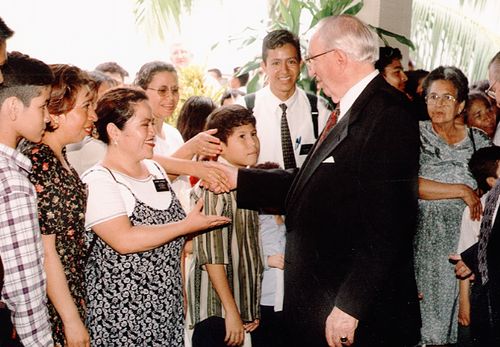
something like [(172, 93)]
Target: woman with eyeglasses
[(446, 186), (62, 200)]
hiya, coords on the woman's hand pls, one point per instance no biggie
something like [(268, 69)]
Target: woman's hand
[(249, 327), (235, 332), (213, 176), (76, 334), (204, 144), (472, 200), (276, 261), (197, 221)]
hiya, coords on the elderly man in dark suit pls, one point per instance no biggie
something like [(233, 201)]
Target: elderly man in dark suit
[(351, 208)]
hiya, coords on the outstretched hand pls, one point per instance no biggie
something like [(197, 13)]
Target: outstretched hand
[(197, 220), (224, 179), (205, 144)]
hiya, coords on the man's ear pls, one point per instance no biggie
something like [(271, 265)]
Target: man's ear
[(491, 181)]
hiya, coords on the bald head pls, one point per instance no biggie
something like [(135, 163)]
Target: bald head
[(349, 34)]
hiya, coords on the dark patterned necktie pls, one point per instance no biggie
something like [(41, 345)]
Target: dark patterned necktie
[(485, 231), (286, 142), (332, 120)]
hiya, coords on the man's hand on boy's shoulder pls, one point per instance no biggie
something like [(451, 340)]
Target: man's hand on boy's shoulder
[(219, 177)]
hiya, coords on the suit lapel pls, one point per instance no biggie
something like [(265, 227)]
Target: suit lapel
[(338, 134)]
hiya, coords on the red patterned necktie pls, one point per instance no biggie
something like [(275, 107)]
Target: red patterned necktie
[(332, 120)]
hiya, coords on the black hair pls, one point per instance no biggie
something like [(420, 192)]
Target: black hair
[(451, 74), (231, 94), (5, 31), (226, 118), (483, 164), (24, 77), (278, 38), (243, 78), (413, 80), (386, 55), (193, 115), (147, 71), (116, 106), (476, 96)]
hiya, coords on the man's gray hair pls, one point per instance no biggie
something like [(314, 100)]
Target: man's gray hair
[(351, 35)]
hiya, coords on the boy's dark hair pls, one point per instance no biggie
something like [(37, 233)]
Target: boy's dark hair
[(385, 57), (147, 71), (226, 118), (484, 164), (5, 31), (22, 75), (112, 67), (278, 38)]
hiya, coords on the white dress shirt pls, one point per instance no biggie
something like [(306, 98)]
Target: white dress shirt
[(352, 94), (268, 115)]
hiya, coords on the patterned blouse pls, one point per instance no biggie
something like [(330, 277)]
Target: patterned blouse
[(61, 211)]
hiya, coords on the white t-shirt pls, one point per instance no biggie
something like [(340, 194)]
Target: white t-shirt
[(172, 141), (108, 199), (268, 113)]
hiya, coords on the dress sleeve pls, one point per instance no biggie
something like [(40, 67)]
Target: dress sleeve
[(104, 199), (212, 246), (46, 179)]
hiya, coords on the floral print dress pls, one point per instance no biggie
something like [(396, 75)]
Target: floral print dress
[(61, 211)]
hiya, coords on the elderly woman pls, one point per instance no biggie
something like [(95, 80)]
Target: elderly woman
[(62, 200), (133, 272), (480, 114), (445, 187)]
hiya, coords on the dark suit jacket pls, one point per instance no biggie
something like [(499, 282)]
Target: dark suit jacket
[(488, 307), (350, 223)]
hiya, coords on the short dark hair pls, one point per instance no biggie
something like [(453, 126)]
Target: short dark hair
[(116, 106), (386, 55), (147, 71), (243, 78), (452, 74), (231, 94), (216, 71), (193, 115), (483, 164), (413, 78), (278, 38), (5, 31), (112, 67), (24, 77), (67, 82), (226, 118), (99, 78)]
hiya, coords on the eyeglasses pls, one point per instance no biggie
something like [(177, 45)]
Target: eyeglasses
[(309, 60), (163, 91), (446, 99), (490, 92)]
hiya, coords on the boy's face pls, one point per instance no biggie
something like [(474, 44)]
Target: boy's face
[(31, 120), (242, 147)]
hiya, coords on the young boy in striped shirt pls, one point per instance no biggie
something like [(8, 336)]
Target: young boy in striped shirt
[(224, 287)]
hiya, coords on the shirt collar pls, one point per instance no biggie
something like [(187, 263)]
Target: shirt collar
[(276, 101), (352, 94), (19, 159)]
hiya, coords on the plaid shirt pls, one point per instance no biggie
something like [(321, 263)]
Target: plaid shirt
[(21, 250)]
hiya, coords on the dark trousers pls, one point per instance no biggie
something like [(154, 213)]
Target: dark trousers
[(210, 333), (485, 320), (7, 336), (271, 330)]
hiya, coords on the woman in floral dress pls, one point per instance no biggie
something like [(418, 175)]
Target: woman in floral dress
[(62, 201)]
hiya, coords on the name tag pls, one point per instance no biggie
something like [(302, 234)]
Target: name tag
[(161, 185), (305, 148)]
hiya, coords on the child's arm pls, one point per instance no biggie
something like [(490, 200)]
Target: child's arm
[(464, 302), (235, 334)]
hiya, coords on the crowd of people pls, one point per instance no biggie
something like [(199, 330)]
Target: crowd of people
[(362, 216)]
